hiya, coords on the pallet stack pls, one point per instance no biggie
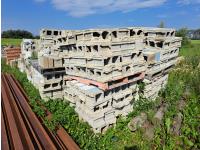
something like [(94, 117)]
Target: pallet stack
[(98, 70), (12, 53), (102, 71), (50, 65), (46, 72), (160, 52)]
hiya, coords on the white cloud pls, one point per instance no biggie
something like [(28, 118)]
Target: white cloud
[(187, 2), (162, 16), (80, 8), (40, 1)]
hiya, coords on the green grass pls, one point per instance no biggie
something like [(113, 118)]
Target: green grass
[(8, 41), (195, 41), (192, 49)]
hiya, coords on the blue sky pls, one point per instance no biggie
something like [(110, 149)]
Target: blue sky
[(32, 15)]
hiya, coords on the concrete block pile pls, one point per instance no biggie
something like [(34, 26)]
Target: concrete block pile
[(102, 71), (50, 65), (46, 72), (28, 46), (98, 70), (160, 52)]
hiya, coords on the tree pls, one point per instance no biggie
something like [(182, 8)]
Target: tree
[(17, 34), (161, 25), (183, 33)]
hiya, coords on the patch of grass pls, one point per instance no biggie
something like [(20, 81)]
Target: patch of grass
[(192, 49), (195, 42), (8, 41)]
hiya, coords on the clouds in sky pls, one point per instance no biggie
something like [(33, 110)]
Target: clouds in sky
[(40, 1), (187, 2), (80, 8)]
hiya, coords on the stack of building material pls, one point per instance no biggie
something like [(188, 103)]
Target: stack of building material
[(160, 52), (50, 62), (50, 65), (47, 41), (12, 53), (46, 72), (28, 46), (98, 71), (103, 68)]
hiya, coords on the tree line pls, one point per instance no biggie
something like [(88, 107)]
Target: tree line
[(18, 34)]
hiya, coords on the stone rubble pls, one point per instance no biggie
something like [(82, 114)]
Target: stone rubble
[(137, 122), (176, 124), (157, 119)]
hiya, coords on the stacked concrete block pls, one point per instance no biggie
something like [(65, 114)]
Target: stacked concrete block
[(46, 73), (102, 68), (50, 62), (47, 41), (47, 37), (98, 70), (51, 66), (98, 107), (153, 86), (28, 46), (114, 59), (51, 83), (160, 52)]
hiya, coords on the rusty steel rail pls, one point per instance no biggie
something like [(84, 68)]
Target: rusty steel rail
[(4, 135), (25, 135), (62, 136), (37, 127), (13, 132), (28, 126), (21, 128)]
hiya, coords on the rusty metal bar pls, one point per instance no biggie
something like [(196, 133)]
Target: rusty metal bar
[(15, 138), (32, 137), (43, 137), (4, 135), (32, 134), (61, 133)]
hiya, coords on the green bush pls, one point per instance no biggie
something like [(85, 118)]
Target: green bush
[(183, 33)]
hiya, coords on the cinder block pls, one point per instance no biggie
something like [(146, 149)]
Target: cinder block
[(43, 62), (110, 118), (154, 85), (57, 62), (152, 57), (50, 62)]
